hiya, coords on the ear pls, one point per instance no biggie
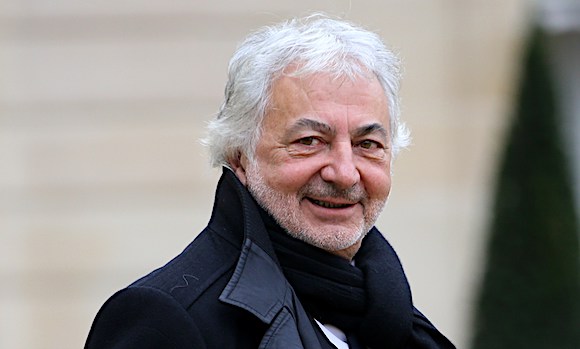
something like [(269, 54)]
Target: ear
[(239, 164)]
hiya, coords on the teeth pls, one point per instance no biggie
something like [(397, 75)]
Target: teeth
[(328, 204)]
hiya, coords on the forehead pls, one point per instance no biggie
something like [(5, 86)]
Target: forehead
[(329, 97), (326, 85)]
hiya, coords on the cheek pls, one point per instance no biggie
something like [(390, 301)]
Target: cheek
[(295, 175), (378, 183), (288, 176)]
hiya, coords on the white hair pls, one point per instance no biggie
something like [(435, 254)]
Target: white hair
[(318, 44)]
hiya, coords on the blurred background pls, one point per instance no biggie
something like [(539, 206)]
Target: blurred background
[(102, 177)]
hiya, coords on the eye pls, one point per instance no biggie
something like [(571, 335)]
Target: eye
[(306, 146), (368, 144), (308, 141)]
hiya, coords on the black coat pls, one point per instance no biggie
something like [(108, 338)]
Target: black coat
[(225, 290)]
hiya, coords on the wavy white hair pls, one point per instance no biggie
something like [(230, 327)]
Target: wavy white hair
[(315, 44)]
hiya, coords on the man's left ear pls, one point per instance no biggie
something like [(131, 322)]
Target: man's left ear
[(239, 166)]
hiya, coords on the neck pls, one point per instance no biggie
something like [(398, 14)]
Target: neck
[(349, 252)]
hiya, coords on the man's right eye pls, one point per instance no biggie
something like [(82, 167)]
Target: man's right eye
[(308, 141)]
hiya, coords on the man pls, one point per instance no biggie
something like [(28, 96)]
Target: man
[(290, 258)]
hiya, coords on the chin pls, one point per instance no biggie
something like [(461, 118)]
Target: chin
[(329, 239)]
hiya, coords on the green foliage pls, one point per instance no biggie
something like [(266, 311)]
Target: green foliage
[(530, 295)]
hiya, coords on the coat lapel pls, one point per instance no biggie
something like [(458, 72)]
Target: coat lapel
[(257, 284)]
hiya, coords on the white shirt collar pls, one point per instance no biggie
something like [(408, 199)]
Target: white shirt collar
[(334, 335)]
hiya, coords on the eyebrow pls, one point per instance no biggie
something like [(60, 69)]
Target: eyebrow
[(369, 129), (305, 123), (311, 124)]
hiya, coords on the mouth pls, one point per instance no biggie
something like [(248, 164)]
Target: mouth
[(327, 204)]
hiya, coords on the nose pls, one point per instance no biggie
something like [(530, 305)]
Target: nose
[(340, 168)]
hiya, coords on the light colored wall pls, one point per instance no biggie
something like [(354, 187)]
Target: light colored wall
[(102, 178)]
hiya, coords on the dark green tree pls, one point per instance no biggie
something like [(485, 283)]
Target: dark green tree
[(530, 292)]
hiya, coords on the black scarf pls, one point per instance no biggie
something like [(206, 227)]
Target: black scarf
[(371, 301)]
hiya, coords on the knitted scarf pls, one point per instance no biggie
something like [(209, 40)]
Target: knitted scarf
[(371, 301)]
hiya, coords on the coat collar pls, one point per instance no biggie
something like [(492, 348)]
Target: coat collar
[(257, 284)]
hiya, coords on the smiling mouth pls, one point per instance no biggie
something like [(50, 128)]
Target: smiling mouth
[(326, 204)]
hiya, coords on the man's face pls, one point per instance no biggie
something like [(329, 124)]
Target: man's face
[(322, 165)]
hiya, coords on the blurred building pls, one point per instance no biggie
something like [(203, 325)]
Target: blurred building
[(102, 177)]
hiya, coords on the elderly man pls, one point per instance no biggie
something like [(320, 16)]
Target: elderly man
[(290, 258)]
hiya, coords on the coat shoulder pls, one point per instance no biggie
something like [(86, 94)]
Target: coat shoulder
[(207, 259), (143, 317), (176, 299)]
